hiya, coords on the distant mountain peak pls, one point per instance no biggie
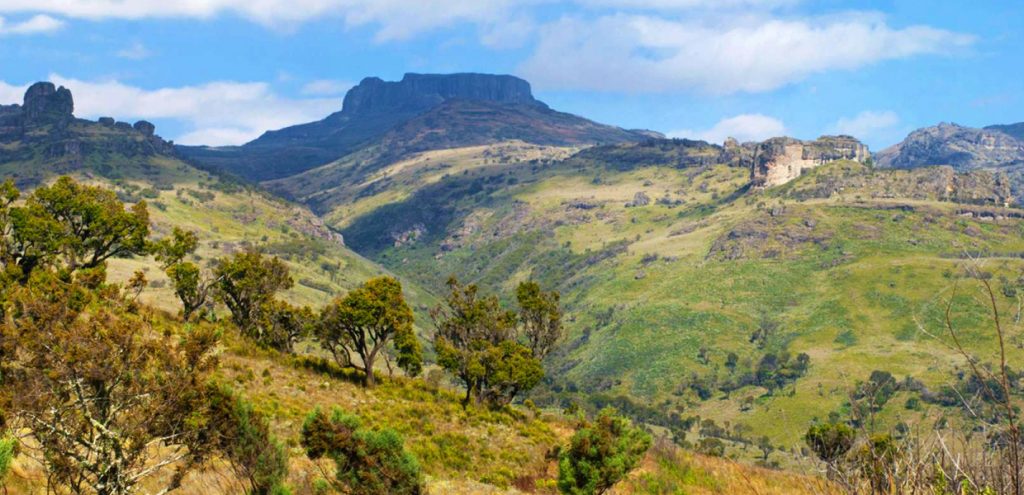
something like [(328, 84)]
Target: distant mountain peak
[(423, 91), (963, 148), (420, 112)]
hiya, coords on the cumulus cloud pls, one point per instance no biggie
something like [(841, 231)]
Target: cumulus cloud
[(215, 113), (395, 19), (326, 87), (746, 127), (39, 24), (867, 123), (749, 54)]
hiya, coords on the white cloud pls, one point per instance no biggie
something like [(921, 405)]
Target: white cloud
[(136, 51), (326, 87), (746, 127), (11, 94), (867, 123), (686, 4), (718, 55), (215, 113), (395, 19), (39, 24)]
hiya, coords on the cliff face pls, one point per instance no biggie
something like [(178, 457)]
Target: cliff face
[(963, 148), (779, 160), (45, 125), (424, 91)]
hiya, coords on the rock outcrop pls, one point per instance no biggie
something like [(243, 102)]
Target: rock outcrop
[(779, 160), (46, 104), (45, 123), (963, 148), (423, 91)]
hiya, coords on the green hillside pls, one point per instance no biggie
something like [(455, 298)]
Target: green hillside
[(668, 265), (227, 215)]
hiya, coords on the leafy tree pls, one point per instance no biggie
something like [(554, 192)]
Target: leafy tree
[(510, 368), (76, 225), (830, 442), (600, 454), (731, 360), (468, 327), (365, 321), (282, 324), (173, 249), (246, 283), (369, 462), (191, 287), (98, 389), (765, 445), (540, 317)]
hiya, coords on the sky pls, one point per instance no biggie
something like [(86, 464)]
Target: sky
[(221, 72)]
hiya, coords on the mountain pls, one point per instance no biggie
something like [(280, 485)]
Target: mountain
[(41, 138), (673, 255), (419, 113), (1013, 130), (963, 148)]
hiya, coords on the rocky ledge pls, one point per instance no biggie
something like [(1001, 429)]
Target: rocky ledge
[(779, 160)]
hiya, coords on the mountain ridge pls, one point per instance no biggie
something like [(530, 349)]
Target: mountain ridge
[(375, 108)]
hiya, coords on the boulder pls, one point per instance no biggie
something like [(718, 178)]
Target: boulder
[(145, 128)]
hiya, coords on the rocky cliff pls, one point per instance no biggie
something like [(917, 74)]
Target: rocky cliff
[(779, 160), (44, 126), (963, 148), (424, 91)]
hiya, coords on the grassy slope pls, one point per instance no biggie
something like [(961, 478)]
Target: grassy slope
[(227, 217), (465, 452), (847, 278)]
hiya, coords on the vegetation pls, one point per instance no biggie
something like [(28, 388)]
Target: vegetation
[(369, 462), (600, 454), (365, 321), (478, 341)]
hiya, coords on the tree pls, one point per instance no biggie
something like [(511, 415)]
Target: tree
[(468, 328), (365, 321), (600, 454), (369, 462), (77, 225), (731, 360), (765, 445), (108, 400), (191, 287), (509, 368), (245, 283), (282, 324), (540, 317), (830, 442)]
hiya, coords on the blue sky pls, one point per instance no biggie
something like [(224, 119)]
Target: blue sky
[(224, 71)]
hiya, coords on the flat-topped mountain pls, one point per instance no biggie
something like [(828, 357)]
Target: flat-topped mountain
[(421, 112)]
